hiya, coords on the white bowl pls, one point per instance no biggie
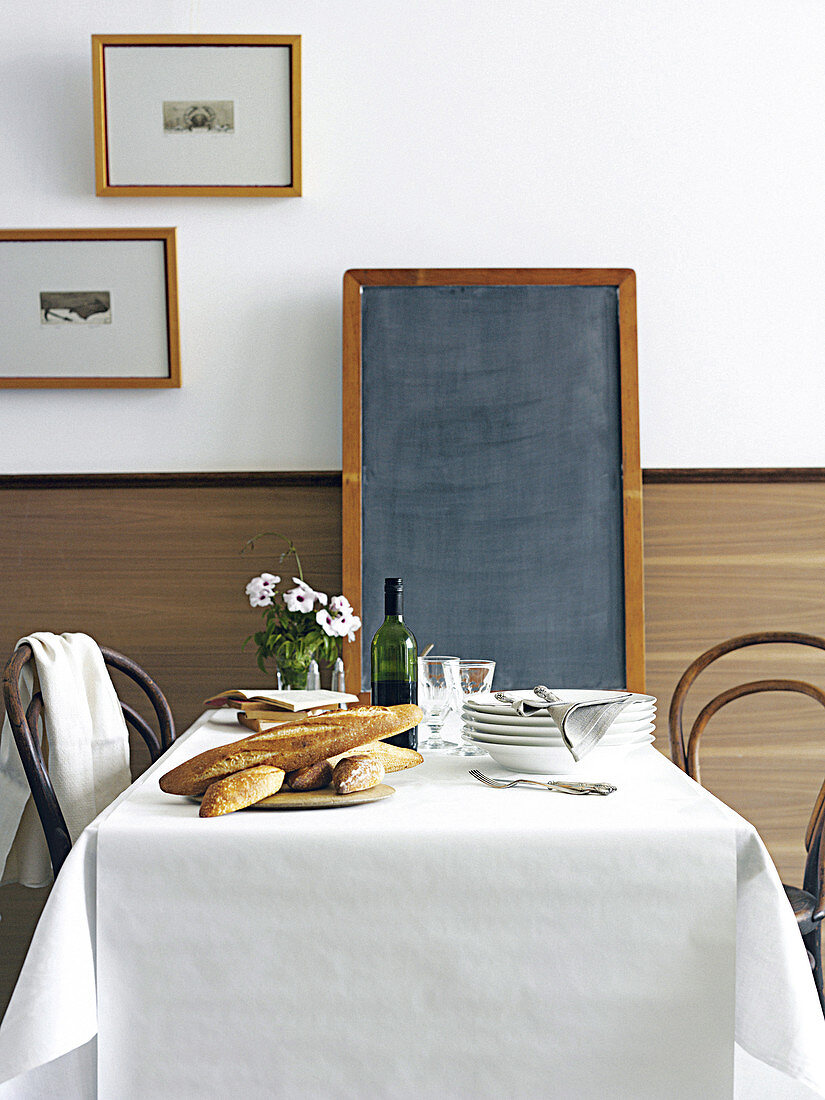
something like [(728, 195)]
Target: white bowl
[(551, 759)]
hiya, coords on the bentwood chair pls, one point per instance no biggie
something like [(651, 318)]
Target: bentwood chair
[(23, 724), (808, 902)]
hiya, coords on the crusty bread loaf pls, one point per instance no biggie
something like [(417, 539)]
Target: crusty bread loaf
[(194, 776), (338, 732), (357, 773), (298, 745), (395, 758), (242, 789), (407, 713), (313, 777)]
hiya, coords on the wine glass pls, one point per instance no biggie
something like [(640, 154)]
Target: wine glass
[(439, 689), (474, 676)]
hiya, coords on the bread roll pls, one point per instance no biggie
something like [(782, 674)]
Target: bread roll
[(357, 773), (298, 745), (311, 778), (242, 789)]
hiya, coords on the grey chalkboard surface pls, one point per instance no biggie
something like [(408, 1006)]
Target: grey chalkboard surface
[(492, 468)]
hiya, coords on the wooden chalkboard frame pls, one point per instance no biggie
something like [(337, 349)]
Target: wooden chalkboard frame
[(625, 282)]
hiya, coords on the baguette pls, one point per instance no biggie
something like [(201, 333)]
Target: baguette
[(357, 773), (311, 778), (242, 789), (395, 758), (298, 745)]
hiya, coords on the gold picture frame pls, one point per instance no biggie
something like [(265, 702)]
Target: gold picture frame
[(89, 308), (153, 136)]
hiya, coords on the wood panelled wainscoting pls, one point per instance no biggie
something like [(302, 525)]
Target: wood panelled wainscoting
[(730, 552), (151, 565)]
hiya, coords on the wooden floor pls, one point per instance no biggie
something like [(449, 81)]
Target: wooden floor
[(157, 572)]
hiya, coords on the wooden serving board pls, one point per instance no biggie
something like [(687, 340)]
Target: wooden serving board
[(319, 800)]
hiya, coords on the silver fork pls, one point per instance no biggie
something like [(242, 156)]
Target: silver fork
[(562, 786)]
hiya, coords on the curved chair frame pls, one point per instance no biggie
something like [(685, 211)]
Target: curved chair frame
[(24, 728), (809, 915)]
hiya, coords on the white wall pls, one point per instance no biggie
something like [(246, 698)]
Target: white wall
[(684, 139)]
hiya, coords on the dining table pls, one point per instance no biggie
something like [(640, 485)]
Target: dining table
[(450, 940)]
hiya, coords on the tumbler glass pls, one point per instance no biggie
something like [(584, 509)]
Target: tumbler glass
[(474, 676)]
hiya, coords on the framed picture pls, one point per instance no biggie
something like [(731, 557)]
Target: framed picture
[(89, 307), (197, 114)]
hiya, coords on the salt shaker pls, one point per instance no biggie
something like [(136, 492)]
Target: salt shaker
[(313, 676), (338, 681)]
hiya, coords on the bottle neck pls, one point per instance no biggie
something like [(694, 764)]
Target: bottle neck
[(394, 605)]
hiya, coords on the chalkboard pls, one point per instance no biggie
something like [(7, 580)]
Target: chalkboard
[(491, 460)]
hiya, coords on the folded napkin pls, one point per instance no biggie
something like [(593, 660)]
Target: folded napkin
[(582, 725), (88, 751)]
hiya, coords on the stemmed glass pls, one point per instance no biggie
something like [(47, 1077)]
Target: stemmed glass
[(474, 676), (439, 689)]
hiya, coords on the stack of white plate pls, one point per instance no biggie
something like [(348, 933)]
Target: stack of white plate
[(535, 744)]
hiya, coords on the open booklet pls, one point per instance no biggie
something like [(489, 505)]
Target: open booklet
[(254, 698)]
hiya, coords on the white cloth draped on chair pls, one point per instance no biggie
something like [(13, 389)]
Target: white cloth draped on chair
[(88, 751)]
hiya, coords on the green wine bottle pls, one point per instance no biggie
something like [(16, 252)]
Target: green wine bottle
[(394, 660)]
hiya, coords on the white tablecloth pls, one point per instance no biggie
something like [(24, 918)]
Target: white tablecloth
[(450, 941)]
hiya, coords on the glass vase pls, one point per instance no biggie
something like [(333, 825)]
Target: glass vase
[(292, 671)]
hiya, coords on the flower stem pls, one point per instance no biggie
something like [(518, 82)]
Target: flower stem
[(289, 550)]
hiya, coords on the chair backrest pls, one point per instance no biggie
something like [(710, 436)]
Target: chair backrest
[(686, 756), (23, 724)]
